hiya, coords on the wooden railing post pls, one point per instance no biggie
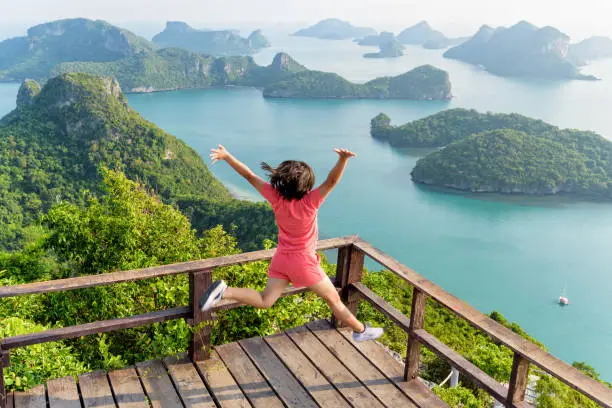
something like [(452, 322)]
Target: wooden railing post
[(417, 320), (199, 349), (4, 362), (349, 270), (518, 380)]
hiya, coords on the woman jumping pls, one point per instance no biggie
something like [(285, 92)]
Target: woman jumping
[(295, 204)]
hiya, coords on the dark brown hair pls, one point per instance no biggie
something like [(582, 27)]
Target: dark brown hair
[(292, 179)]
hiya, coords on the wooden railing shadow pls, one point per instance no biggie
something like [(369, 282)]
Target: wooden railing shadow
[(351, 255)]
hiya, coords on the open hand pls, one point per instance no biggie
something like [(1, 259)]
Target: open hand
[(220, 153), (344, 153)]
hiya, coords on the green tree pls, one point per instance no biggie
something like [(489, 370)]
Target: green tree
[(126, 229), (459, 397), (32, 365)]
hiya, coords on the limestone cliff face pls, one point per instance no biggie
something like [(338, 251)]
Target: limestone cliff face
[(549, 40), (284, 62), (82, 105), (28, 91), (110, 41)]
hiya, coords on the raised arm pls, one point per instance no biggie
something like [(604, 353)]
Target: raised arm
[(336, 173), (220, 153)]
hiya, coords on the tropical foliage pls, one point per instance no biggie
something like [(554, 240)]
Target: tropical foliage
[(126, 228), (509, 161)]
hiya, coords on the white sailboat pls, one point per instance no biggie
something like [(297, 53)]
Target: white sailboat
[(563, 300)]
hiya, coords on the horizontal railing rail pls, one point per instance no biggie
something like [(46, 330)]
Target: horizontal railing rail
[(105, 279), (351, 255), (103, 326)]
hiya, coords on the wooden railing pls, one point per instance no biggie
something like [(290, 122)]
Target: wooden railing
[(351, 254)]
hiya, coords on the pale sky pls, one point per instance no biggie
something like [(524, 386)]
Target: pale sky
[(579, 19)]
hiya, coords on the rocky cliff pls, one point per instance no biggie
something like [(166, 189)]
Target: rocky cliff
[(27, 93)]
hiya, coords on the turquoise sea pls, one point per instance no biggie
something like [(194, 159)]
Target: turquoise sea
[(511, 254)]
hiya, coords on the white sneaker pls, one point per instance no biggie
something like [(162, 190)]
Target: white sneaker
[(370, 333), (213, 295)]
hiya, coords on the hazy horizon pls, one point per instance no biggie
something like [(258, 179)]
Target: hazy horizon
[(453, 18)]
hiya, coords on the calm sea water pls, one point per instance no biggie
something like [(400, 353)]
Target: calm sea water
[(510, 254)]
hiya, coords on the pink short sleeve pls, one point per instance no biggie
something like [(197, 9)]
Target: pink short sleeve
[(269, 193), (315, 198)]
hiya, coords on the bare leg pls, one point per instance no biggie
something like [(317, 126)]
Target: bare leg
[(327, 291), (259, 300)]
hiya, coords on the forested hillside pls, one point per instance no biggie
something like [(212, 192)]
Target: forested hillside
[(53, 146)]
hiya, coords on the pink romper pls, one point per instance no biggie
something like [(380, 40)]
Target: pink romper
[(296, 258)]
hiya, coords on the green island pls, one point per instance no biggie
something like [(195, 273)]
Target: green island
[(420, 34), (175, 68), (389, 46), (90, 187), (178, 34), (376, 39), (47, 45), (99, 48), (445, 127), (422, 83), (590, 49), (522, 50), (283, 78), (504, 153), (423, 34), (334, 29)]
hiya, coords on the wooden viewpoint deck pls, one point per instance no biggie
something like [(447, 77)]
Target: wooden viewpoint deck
[(310, 366), (305, 367)]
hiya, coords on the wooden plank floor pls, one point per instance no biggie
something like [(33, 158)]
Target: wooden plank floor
[(310, 366)]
